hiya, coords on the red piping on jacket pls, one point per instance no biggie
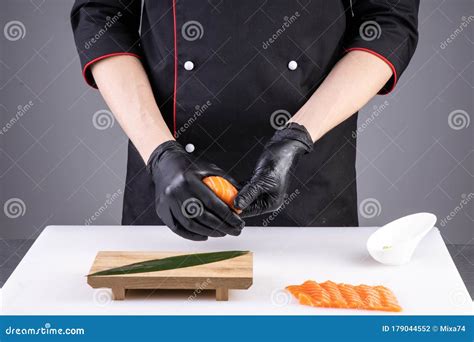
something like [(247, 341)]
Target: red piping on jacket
[(175, 68), (84, 71), (395, 77)]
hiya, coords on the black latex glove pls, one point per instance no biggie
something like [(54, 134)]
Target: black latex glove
[(183, 201), (266, 190)]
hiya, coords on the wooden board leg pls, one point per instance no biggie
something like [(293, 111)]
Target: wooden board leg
[(119, 293), (222, 294)]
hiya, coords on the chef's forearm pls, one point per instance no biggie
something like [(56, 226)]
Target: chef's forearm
[(354, 80), (124, 85)]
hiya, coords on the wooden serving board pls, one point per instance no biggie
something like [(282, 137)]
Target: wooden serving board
[(235, 273)]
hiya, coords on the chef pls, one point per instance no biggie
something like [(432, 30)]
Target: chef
[(264, 93)]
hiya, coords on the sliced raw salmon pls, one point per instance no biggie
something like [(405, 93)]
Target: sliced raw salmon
[(345, 296), (223, 189)]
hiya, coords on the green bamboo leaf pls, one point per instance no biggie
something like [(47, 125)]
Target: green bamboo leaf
[(171, 263)]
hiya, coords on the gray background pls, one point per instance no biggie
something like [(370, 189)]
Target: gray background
[(63, 168)]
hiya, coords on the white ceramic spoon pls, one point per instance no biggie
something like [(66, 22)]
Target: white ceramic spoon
[(394, 243)]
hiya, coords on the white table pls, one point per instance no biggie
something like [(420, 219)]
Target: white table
[(50, 279)]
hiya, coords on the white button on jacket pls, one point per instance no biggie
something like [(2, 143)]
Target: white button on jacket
[(188, 65), (292, 65), (189, 148)]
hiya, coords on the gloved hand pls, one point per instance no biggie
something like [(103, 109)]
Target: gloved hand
[(183, 201), (265, 192)]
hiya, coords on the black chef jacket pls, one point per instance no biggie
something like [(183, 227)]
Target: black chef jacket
[(227, 73)]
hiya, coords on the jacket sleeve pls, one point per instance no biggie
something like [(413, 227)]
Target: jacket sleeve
[(105, 28), (386, 28)]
